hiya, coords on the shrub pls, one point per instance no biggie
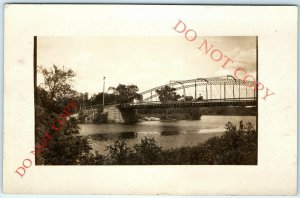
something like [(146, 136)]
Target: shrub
[(118, 153), (148, 152), (66, 147)]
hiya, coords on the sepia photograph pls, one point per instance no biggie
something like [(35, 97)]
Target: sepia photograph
[(124, 99), (145, 100)]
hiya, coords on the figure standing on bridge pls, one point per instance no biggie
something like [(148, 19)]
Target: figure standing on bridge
[(200, 98)]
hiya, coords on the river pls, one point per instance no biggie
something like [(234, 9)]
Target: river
[(168, 134)]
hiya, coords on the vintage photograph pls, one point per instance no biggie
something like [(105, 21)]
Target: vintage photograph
[(146, 100), (151, 99)]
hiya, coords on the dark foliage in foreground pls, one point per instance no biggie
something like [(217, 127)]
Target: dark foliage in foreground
[(66, 146), (238, 146)]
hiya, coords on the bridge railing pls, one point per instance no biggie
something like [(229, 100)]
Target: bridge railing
[(100, 106), (190, 102)]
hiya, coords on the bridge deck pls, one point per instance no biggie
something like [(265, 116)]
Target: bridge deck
[(203, 103)]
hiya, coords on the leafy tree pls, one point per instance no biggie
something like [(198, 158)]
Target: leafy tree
[(56, 90), (167, 94), (98, 98), (66, 146), (126, 93), (43, 99), (82, 98), (57, 82)]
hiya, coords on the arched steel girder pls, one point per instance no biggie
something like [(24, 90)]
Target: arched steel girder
[(213, 80), (183, 84), (228, 80), (176, 88)]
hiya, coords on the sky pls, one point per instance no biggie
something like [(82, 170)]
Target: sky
[(144, 61)]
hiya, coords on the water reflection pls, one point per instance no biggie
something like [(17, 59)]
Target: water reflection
[(112, 136), (169, 133), (168, 128)]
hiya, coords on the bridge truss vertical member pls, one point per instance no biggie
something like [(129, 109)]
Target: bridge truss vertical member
[(195, 90), (224, 91), (230, 76), (206, 92), (239, 90), (210, 91), (204, 80), (233, 91), (183, 88), (220, 91)]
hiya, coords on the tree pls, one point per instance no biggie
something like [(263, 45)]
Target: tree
[(126, 93), (42, 98), (65, 147), (98, 98), (167, 94), (57, 82)]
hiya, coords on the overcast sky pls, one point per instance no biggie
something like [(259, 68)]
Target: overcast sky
[(144, 61)]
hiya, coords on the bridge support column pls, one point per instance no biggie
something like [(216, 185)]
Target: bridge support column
[(116, 115), (195, 113)]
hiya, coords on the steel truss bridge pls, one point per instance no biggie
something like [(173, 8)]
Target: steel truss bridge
[(214, 91)]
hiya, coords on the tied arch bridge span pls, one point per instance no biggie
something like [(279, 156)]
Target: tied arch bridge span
[(225, 91)]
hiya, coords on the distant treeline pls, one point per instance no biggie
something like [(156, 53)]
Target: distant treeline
[(194, 112)]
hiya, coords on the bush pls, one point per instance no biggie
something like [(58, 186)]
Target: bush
[(118, 153), (66, 147), (148, 152)]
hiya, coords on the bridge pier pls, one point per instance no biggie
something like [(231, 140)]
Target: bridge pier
[(116, 115)]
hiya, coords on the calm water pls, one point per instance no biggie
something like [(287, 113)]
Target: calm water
[(168, 134)]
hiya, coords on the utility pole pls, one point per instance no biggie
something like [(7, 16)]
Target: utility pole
[(35, 65), (103, 91)]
